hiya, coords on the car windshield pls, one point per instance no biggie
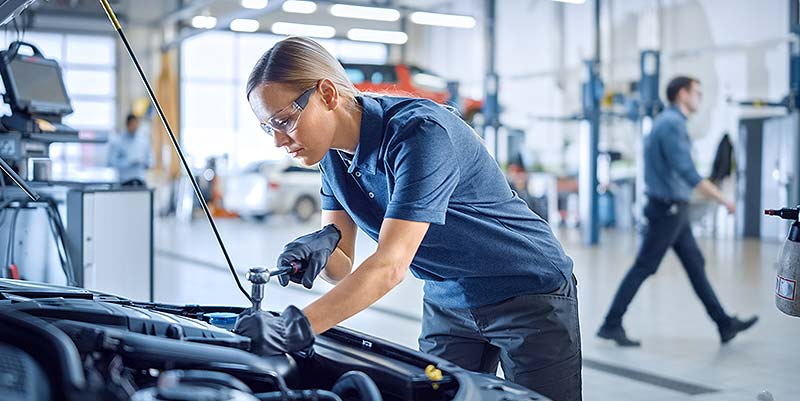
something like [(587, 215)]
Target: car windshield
[(253, 167), (263, 166), (369, 73), (427, 80)]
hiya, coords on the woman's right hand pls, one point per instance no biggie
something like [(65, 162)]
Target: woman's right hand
[(310, 252)]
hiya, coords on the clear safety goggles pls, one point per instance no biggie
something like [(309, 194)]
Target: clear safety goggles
[(285, 120)]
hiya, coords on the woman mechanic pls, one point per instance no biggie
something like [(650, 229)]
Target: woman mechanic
[(417, 179)]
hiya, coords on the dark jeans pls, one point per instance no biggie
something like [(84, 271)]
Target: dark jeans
[(536, 338), (668, 227)]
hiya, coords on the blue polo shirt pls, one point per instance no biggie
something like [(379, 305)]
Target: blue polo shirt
[(417, 161)]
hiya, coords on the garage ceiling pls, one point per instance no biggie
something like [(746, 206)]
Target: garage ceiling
[(87, 15), (152, 12)]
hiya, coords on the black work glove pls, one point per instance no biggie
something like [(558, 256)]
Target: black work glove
[(276, 335), (309, 254)]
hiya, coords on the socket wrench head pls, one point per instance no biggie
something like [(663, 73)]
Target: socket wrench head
[(258, 275)]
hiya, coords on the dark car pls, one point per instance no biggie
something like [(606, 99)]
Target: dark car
[(67, 343)]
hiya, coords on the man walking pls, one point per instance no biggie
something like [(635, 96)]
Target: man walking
[(670, 176)]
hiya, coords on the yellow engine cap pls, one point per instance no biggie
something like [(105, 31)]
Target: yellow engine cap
[(433, 373)]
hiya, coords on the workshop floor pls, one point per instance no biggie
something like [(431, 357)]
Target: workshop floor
[(681, 357)]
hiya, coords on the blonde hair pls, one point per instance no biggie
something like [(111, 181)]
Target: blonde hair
[(301, 63)]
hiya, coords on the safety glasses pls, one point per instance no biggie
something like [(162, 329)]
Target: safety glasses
[(285, 120)]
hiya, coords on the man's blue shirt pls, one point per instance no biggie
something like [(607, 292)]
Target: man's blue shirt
[(130, 155), (418, 161), (669, 172)]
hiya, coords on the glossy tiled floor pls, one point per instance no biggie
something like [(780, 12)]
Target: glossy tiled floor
[(680, 344)]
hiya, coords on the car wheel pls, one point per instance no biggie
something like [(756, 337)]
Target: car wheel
[(304, 208)]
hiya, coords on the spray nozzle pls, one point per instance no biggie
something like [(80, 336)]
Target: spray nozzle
[(785, 213)]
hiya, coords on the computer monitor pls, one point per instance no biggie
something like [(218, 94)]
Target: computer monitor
[(34, 84)]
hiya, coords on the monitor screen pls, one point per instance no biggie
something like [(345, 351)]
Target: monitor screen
[(39, 84)]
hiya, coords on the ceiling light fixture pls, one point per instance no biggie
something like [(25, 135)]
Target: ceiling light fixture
[(244, 25), (374, 35), (204, 22), (317, 31), (446, 20), (299, 7), (360, 12), (254, 4)]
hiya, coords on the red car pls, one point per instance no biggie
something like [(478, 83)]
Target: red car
[(410, 81)]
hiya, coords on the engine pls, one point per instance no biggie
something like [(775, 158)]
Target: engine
[(64, 343), (62, 348)]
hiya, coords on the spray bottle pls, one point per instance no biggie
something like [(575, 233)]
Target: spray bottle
[(787, 293)]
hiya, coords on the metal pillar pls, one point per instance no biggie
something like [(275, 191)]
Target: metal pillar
[(491, 107), (591, 228), (649, 106), (404, 47), (793, 98)]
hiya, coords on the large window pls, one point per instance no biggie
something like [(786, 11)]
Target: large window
[(88, 63), (215, 116)]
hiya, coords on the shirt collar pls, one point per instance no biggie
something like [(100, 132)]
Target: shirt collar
[(371, 135), (677, 110)]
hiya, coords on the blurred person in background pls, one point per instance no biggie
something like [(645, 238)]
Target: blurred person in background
[(130, 154)]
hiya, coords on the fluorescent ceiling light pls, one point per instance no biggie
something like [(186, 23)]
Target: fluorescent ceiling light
[(299, 6), (448, 20), (204, 22), (244, 25), (317, 31), (571, 1), (373, 35), (371, 13), (254, 4)]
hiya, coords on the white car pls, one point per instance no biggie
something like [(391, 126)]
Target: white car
[(273, 187)]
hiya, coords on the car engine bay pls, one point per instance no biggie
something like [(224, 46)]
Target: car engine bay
[(65, 343)]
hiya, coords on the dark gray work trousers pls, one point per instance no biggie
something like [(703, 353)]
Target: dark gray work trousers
[(668, 227), (536, 339)]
